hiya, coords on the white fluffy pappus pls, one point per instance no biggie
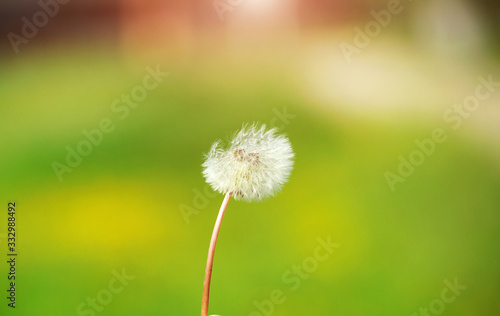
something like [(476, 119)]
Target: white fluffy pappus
[(254, 165)]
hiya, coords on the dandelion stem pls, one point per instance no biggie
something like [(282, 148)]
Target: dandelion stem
[(211, 253)]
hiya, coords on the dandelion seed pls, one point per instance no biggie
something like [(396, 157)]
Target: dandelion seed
[(253, 166)]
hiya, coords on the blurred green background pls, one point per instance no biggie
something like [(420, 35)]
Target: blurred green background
[(276, 62)]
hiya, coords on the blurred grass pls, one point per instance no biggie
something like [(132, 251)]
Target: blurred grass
[(120, 207)]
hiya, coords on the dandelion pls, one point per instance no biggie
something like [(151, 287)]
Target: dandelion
[(253, 166)]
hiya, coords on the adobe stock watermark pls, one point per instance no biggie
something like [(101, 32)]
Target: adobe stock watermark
[(448, 295), (221, 7), (104, 297), (31, 26), (455, 115), (281, 117), (363, 37), (121, 107), (293, 277), (202, 198)]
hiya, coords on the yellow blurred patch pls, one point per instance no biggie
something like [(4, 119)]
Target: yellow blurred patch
[(103, 217)]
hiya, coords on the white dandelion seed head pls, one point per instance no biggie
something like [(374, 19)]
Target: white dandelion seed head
[(254, 165)]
